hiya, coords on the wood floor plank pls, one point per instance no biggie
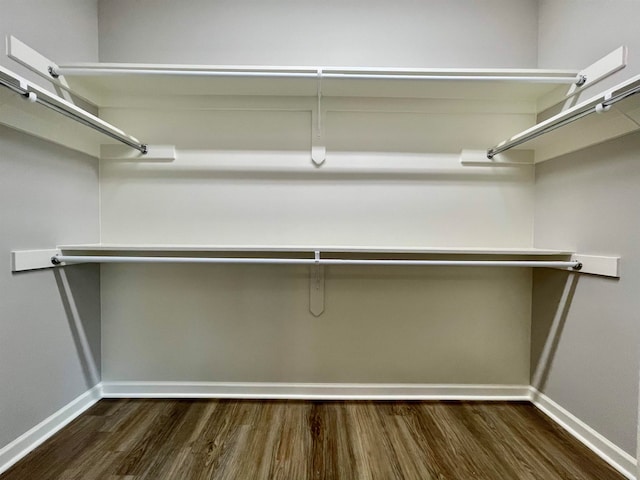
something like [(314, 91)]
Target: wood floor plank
[(570, 458), (53, 457), (442, 448), (288, 458), (323, 456), (374, 451), (245, 439), (406, 448), (214, 450), (507, 448), (143, 452)]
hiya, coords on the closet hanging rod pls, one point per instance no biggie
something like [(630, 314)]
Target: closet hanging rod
[(78, 71), (598, 108), (35, 98), (69, 259)]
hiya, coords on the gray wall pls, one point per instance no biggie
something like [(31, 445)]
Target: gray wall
[(585, 336), (63, 30), (569, 38), (49, 321), (434, 33), (420, 326), (588, 201), (575, 33)]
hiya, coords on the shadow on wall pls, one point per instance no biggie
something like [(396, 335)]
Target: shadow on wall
[(548, 319), (79, 288)]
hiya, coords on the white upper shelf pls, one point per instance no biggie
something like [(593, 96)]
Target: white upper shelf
[(102, 80), (615, 121), (531, 90), (116, 248), (30, 108)]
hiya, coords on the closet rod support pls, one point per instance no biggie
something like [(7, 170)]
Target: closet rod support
[(327, 73), (317, 260)]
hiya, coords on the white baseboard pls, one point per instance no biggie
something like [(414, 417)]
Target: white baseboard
[(314, 391), (25, 443), (605, 449)]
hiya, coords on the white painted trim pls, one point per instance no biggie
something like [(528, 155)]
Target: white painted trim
[(28, 441), (601, 446), (314, 391)]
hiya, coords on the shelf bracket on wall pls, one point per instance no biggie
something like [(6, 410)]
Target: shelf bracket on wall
[(316, 287), (603, 68), (514, 158), (597, 265), (22, 260), (46, 68), (155, 153), (318, 148)]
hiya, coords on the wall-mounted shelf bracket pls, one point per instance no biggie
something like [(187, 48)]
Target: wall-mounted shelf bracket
[(513, 158), (155, 153), (318, 147), (22, 260), (595, 72), (586, 78), (43, 66), (597, 265), (316, 287)]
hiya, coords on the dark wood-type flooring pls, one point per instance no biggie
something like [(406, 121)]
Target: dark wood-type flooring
[(297, 440)]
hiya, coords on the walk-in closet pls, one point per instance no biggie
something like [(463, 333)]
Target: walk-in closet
[(341, 239)]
